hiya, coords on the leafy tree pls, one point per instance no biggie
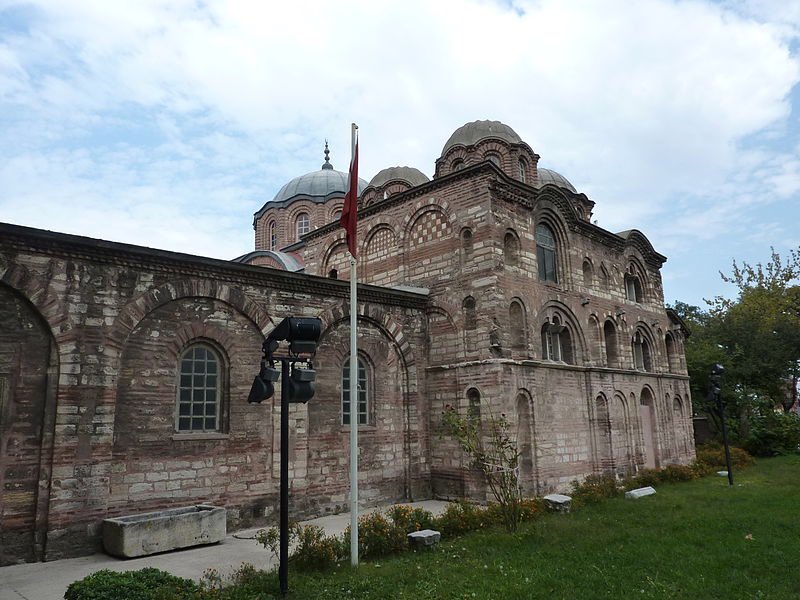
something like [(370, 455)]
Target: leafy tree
[(492, 450), (755, 336)]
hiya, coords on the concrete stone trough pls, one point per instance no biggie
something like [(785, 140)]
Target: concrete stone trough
[(163, 530)]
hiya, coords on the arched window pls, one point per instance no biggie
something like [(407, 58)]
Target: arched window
[(610, 335), (303, 224), (672, 356), (523, 170), (199, 397), (457, 165), (470, 320), (337, 214), (466, 242), (511, 248), (557, 342), (273, 235), (516, 322), (362, 395), (633, 288), (588, 273), (494, 158), (546, 253), (474, 404), (604, 278), (677, 407), (642, 355)]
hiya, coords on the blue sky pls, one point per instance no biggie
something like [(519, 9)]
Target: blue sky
[(167, 124)]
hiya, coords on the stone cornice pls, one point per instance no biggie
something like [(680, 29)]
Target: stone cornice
[(512, 190), (547, 364), (18, 239)]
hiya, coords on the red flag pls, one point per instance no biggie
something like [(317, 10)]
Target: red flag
[(349, 218)]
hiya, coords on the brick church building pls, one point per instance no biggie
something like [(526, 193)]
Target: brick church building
[(124, 371)]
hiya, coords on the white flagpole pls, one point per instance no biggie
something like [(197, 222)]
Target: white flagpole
[(353, 390)]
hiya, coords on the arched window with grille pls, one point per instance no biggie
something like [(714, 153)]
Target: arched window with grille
[(199, 402), (362, 395), (523, 170), (303, 224), (546, 253)]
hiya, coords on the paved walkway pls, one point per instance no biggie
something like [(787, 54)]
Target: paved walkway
[(49, 581)]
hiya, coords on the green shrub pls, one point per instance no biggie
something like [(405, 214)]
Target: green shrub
[(377, 537), (145, 584), (410, 519), (669, 474), (713, 455), (644, 478), (460, 517), (527, 509), (773, 433), (594, 489), (312, 548)]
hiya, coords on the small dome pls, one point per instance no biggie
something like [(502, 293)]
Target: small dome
[(548, 176), (471, 133), (321, 185), (410, 175)]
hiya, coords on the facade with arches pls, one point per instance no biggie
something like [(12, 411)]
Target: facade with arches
[(124, 371)]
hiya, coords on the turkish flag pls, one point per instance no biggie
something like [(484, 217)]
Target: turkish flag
[(349, 218)]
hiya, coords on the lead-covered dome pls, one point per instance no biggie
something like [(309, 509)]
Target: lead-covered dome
[(471, 133), (319, 185), (548, 176), (409, 175)]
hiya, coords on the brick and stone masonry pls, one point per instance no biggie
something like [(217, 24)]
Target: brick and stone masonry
[(454, 309)]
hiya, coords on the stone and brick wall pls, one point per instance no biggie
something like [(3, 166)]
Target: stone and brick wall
[(95, 333), (452, 312)]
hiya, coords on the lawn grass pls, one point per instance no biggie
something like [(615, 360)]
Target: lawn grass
[(699, 540)]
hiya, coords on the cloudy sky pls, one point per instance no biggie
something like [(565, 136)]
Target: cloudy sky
[(167, 124)]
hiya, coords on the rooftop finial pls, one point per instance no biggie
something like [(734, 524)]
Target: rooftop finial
[(327, 164)]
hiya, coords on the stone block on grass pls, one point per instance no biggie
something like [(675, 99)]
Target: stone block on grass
[(425, 537), (558, 502), (640, 492)]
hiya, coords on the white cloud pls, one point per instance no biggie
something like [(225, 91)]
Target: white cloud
[(644, 105)]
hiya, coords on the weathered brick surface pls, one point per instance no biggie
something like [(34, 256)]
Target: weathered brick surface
[(25, 354), (122, 317)]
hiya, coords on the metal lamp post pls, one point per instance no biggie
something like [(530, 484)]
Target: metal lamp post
[(714, 393)]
